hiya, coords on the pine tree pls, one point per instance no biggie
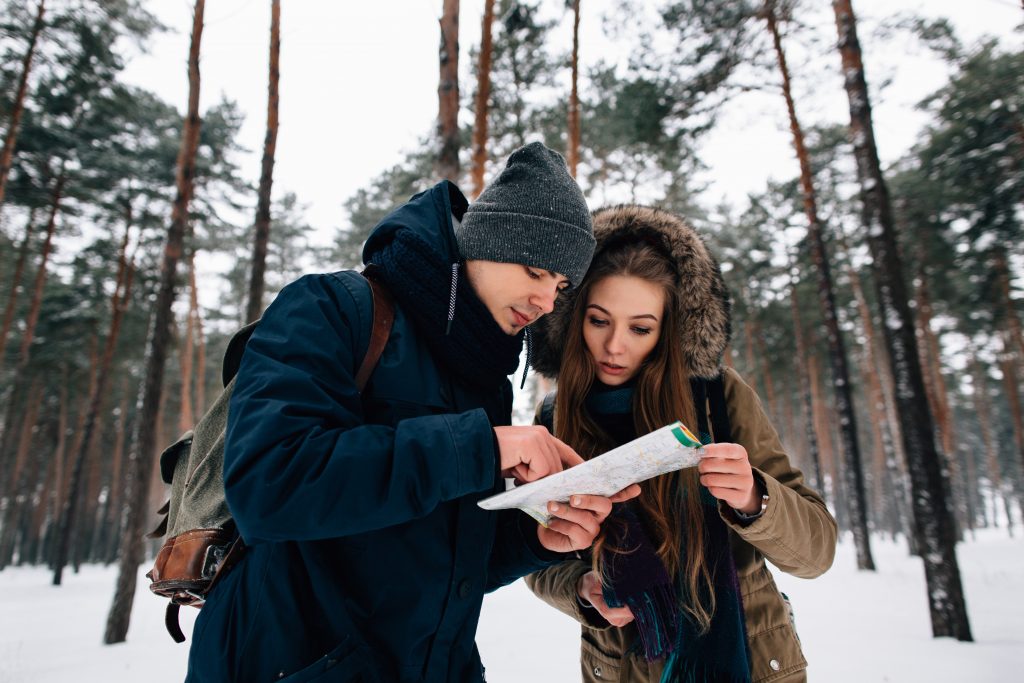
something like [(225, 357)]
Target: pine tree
[(934, 524)]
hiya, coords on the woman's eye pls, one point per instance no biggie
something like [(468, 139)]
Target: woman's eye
[(533, 275), (597, 322), (642, 330)]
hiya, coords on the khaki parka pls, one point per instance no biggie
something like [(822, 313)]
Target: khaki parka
[(796, 532)]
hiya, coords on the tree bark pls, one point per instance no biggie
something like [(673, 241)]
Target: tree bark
[(983, 409), (1013, 347), (12, 297), (185, 420), (938, 401), (935, 528), (199, 407), (95, 402), (853, 469), (117, 468), (16, 396), (21, 476), (18, 107), (573, 156), (262, 236), (140, 460), (807, 404), (483, 97), (448, 93)]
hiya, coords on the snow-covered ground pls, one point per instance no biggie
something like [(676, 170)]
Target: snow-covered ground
[(855, 626)]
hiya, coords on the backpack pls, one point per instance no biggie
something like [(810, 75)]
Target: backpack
[(203, 542)]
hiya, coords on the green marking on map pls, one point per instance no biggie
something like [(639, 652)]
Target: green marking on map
[(685, 437)]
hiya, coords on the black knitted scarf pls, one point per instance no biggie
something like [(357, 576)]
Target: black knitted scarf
[(636, 577), (470, 344)]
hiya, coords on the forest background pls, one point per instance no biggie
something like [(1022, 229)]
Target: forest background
[(680, 104)]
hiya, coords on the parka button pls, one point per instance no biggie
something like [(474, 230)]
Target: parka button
[(464, 588), (597, 671), (774, 664)]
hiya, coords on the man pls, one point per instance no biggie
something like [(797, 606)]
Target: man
[(367, 555)]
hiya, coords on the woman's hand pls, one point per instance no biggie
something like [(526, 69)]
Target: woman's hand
[(589, 590), (575, 525), (725, 471)]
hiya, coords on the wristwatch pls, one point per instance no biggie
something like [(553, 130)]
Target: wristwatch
[(744, 517)]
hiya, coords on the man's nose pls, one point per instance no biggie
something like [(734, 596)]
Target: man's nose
[(544, 299)]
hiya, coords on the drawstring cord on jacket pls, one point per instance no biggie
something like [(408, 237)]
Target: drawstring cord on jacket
[(529, 356), (451, 299)]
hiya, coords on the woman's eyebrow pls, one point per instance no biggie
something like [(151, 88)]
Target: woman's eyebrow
[(632, 317)]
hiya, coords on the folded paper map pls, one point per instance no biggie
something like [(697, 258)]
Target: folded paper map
[(667, 449)]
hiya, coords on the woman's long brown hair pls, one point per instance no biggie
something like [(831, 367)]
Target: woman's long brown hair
[(662, 395)]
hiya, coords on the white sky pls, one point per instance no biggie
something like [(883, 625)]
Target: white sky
[(359, 85)]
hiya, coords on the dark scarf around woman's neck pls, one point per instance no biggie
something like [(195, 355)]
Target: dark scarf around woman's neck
[(472, 345), (636, 577)]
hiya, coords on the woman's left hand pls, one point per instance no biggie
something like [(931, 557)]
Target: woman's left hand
[(725, 471)]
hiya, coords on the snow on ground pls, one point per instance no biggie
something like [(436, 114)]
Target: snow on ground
[(855, 626)]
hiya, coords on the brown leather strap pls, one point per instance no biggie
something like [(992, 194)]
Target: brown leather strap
[(171, 622), (383, 319)]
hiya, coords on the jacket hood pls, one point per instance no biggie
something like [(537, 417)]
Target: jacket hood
[(422, 214), (704, 305)]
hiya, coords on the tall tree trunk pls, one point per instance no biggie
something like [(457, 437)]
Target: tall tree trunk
[(117, 468), (1013, 350), (140, 459), (16, 396), (96, 396), (573, 157), (21, 476), (853, 469), (12, 297), (766, 372), (262, 236), (483, 98), (807, 395), (53, 490), (185, 420), (448, 93), (881, 372), (199, 407), (18, 107), (938, 399), (983, 409), (935, 528), (821, 434), (40, 281)]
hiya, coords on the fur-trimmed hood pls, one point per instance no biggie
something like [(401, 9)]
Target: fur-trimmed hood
[(704, 315)]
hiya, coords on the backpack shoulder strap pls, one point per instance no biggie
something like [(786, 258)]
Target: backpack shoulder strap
[(719, 409), (383, 319)]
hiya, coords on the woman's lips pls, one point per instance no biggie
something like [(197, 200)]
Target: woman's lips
[(612, 369)]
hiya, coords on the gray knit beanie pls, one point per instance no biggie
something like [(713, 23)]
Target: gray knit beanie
[(534, 214)]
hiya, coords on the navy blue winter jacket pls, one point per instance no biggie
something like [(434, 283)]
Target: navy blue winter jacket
[(367, 555)]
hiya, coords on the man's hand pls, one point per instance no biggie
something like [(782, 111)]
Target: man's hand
[(589, 590), (529, 453), (725, 471), (575, 525)]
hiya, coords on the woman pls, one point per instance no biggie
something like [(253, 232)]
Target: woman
[(676, 588)]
